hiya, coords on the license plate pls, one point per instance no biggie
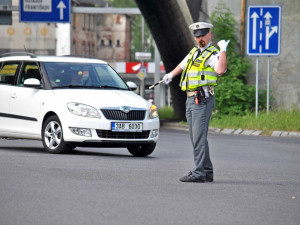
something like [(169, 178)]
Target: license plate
[(127, 127)]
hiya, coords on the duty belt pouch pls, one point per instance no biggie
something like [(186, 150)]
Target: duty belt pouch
[(201, 95), (211, 90)]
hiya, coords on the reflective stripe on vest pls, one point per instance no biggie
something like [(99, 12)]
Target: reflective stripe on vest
[(195, 73)]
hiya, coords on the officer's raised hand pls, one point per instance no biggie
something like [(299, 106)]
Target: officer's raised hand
[(168, 78), (223, 45)]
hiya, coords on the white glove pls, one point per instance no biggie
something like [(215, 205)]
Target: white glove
[(168, 78), (223, 45)]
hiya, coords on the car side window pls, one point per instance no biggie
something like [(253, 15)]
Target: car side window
[(8, 72), (29, 70)]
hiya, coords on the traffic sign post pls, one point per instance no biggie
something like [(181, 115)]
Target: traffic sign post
[(142, 74), (47, 11), (263, 39), (142, 56)]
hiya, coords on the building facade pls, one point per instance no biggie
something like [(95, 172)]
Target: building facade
[(38, 38)]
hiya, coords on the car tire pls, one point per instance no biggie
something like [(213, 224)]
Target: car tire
[(53, 139), (141, 150)]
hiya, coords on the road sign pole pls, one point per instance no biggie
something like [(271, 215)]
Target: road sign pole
[(268, 86), (142, 91), (256, 98), (157, 90)]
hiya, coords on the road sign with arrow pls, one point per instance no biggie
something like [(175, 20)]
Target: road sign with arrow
[(264, 30), (49, 11)]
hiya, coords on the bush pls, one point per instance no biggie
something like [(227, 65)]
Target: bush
[(233, 96)]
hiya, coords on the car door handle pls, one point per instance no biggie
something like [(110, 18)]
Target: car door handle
[(14, 95)]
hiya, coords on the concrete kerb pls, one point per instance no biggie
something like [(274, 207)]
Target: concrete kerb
[(176, 125)]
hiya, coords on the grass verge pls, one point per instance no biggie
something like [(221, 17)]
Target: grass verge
[(266, 122)]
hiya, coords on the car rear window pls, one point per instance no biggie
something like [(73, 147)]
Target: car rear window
[(8, 72)]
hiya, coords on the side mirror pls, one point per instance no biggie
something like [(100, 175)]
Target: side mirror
[(32, 82), (131, 85)]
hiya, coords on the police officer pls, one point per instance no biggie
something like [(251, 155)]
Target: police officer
[(199, 71)]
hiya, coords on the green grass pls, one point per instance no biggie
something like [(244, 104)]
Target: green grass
[(267, 123), (281, 120)]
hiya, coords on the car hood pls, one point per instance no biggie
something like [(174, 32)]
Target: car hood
[(103, 98)]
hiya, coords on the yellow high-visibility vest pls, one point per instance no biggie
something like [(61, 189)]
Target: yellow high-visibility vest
[(195, 73)]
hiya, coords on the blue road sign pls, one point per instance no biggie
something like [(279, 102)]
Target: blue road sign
[(49, 11), (263, 30)]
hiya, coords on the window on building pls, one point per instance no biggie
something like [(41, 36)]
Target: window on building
[(73, 48), (92, 49), (110, 43), (118, 19), (118, 43), (83, 21), (88, 22), (83, 49), (102, 43), (92, 22), (74, 21), (87, 49)]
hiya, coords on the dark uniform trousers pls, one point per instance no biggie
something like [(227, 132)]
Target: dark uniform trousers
[(198, 116)]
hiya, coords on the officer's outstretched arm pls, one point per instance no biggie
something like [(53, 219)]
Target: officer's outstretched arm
[(169, 76)]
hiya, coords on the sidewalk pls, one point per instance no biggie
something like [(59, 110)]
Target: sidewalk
[(176, 125)]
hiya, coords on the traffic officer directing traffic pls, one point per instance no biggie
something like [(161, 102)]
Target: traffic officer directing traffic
[(199, 71)]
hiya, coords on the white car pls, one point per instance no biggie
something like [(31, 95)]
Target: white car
[(69, 101)]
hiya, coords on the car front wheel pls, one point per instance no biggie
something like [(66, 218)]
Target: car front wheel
[(142, 150), (52, 135)]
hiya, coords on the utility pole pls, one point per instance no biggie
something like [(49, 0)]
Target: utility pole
[(243, 8)]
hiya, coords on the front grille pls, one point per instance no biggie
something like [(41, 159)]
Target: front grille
[(111, 114), (123, 135)]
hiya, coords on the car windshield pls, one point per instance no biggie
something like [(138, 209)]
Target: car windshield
[(79, 75)]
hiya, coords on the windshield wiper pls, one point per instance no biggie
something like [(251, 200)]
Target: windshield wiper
[(113, 87), (96, 87)]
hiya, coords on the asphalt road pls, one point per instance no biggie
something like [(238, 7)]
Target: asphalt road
[(257, 182)]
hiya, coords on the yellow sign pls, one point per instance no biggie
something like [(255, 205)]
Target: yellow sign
[(44, 31), (142, 73), (10, 31), (27, 31)]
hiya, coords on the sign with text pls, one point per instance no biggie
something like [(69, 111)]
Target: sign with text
[(49, 11), (264, 23)]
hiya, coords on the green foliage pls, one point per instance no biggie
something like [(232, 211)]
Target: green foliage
[(166, 113), (233, 96), (122, 3)]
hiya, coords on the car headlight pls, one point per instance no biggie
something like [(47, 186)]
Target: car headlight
[(83, 110), (153, 113)]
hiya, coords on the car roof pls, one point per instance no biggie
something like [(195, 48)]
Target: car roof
[(69, 59)]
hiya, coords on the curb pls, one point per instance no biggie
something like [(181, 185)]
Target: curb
[(176, 125)]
